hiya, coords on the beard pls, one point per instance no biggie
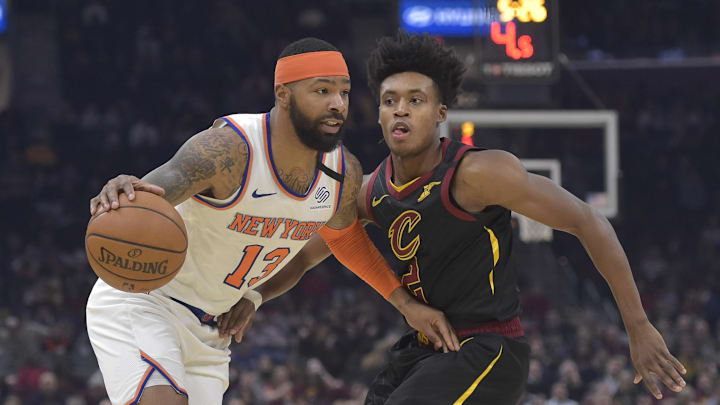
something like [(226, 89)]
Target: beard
[(309, 131)]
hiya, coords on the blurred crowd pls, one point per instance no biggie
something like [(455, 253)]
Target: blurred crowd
[(139, 78), (668, 30)]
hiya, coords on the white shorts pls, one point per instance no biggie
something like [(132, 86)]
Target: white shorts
[(141, 340)]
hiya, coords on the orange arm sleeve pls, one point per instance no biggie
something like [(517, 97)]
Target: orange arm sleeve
[(353, 248)]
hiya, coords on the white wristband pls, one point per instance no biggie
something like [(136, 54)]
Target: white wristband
[(254, 297)]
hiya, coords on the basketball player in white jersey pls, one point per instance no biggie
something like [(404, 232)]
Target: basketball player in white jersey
[(252, 190)]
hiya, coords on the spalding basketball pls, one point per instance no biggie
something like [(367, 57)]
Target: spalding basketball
[(138, 247)]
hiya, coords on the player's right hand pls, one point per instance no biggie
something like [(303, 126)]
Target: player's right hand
[(237, 320), (433, 324), (107, 199), (650, 357)]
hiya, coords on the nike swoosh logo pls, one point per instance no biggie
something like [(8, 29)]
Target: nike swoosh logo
[(256, 195), (376, 201)]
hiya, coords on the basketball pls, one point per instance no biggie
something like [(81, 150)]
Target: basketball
[(138, 247)]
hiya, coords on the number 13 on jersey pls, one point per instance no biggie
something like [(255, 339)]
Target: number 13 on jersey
[(250, 254)]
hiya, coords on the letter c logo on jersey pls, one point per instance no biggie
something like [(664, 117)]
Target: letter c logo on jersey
[(404, 223)]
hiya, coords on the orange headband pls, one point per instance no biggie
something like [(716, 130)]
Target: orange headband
[(311, 64)]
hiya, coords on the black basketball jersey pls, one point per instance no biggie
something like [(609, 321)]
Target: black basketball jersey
[(451, 259)]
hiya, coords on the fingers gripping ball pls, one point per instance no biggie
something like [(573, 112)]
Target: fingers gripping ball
[(139, 246)]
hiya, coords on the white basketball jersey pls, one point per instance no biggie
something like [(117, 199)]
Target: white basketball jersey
[(242, 241)]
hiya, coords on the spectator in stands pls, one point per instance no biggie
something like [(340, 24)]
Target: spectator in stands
[(560, 395)]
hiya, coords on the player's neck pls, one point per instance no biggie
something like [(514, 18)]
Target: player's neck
[(407, 168), (287, 149)]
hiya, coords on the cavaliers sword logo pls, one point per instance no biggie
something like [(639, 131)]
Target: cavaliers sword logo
[(426, 191)]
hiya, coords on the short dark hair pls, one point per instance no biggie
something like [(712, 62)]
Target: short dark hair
[(416, 53), (306, 45)]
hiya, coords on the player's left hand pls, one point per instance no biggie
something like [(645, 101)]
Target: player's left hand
[(650, 355), (237, 320)]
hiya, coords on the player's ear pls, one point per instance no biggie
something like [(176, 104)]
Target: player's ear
[(442, 113), (282, 95)]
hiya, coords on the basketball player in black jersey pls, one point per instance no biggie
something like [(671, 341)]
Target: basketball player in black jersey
[(445, 208)]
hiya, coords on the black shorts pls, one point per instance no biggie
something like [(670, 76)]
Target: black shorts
[(488, 370)]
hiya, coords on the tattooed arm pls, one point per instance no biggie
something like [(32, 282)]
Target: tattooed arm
[(212, 163)]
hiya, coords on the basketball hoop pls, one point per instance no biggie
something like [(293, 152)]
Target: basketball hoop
[(533, 231)]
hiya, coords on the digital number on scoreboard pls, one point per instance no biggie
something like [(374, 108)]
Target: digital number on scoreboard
[(522, 45), (517, 38)]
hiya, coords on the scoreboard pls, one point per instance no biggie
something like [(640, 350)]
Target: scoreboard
[(523, 43), (515, 41)]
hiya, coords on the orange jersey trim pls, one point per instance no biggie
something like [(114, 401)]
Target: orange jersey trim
[(141, 386), (164, 372)]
